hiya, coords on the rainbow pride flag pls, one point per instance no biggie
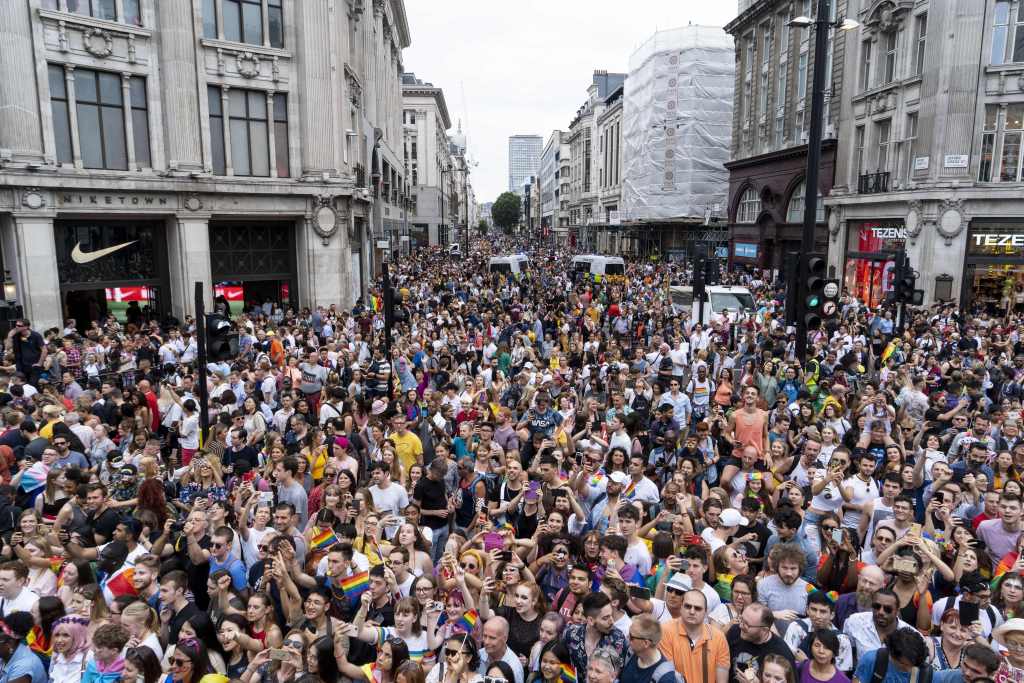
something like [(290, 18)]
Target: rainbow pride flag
[(629, 492), (1005, 565), (568, 674), (596, 478), (323, 538), (34, 477), (468, 621), (355, 585)]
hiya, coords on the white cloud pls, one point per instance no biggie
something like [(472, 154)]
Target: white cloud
[(524, 66)]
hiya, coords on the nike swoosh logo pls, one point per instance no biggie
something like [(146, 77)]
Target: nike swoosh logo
[(79, 256)]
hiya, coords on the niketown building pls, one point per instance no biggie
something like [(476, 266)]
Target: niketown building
[(146, 145)]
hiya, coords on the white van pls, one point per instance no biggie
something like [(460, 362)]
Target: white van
[(723, 301), (455, 249), (515, 265), (598, 268)]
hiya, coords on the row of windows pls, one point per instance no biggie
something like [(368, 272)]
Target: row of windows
[(749, 206), (99, 9), (102, 119)]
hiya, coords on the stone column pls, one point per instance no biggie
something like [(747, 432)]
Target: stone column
[(188, 255), (321, 74), (34, 267), (178, 83), (20, 132)]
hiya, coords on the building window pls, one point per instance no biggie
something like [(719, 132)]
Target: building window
[(882, 136), (1000, 31), (243, 21), (586, 163), (140, 121), (100, 109), (1013, 130), (889, 72), (750, 206), (102, 9), (865, 64), (988, 143), (248, 130), (60, 108), (910, 134), (858, 150), (795, 211), (922, 36)]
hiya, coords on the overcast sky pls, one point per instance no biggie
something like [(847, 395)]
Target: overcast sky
[(523, 67)]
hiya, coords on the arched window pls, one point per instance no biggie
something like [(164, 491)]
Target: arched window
[(795, 211), (750, 206)]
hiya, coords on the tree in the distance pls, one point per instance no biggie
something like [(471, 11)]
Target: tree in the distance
[(506, 211), (481, 227)]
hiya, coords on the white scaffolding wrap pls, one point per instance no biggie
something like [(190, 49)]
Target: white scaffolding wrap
[(677, 124)]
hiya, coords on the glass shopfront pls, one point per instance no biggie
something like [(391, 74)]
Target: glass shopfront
[(994, 267), (869, 267)]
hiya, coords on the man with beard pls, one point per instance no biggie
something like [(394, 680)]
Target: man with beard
[(869, 630), (750, 640), (784, 592), (147, 568), (580, 581), (598, 630), (869, 581)]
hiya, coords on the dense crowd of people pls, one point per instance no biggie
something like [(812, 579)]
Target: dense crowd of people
[(537, 478)]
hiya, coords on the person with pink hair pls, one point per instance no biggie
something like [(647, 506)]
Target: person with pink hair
[(70, 647)]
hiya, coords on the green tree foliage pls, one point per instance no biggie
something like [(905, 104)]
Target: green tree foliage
[(506, 211)]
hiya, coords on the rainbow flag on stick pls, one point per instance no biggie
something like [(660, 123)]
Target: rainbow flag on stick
[(468, 621), (628, 493), (568, 674), (355, 585), (324, 538)]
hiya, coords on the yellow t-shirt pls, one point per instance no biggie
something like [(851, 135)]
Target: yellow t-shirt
[(408, 447)]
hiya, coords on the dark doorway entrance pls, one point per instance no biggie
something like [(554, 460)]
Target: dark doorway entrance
[(253, 264), (112, 267)]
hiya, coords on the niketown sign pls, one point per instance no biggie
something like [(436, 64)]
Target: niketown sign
[(126, 200)]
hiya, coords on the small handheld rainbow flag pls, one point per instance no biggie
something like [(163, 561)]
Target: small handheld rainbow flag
[(596, 478), (323, 539), (629, 490), (568, 674), (355, 585), (468, 621)]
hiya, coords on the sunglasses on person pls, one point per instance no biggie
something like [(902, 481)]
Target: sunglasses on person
[(297, 644), (886, 609), (178, 661), (450, 653)]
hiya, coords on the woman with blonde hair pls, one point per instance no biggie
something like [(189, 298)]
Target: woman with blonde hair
[(143, 624), (52, 499), (202, 480), (88, 602)]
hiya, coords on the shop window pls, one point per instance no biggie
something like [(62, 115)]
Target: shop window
[(243, 21), (243, 133), (102, 9), (795, 211), (1013, 130), (750, 206)]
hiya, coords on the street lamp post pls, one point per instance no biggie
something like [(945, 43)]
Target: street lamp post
[(821, 22)]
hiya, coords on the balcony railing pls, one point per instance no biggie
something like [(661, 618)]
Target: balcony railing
[(360, 176), (873, 183)]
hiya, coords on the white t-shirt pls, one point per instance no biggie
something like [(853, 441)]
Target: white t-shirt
[(638, 556), (863, 491), (24, 602)]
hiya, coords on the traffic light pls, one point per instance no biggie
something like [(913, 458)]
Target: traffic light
[(699, 282), (712, 272), (813, 277), (221, 338), (904, 290)]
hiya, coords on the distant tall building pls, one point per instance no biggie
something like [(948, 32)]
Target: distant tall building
[(523, 159)]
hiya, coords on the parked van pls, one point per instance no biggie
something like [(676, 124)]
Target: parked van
[(722, 300), (598, 268), (455, 249), (515, 265)]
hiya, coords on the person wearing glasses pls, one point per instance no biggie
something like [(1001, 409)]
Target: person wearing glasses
[(869, 630), (751, 640), (459, 662), (646, 663), (272, 666)]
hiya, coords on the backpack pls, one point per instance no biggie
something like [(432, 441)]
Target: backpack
[(924, 674), (665, 667)]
